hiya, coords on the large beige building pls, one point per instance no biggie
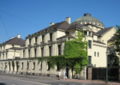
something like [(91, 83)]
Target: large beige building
[(9, 52), (50, 42)]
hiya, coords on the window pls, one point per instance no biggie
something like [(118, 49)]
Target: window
[(43, 38), (35, 52), (27, 65), (94, 53), (42, 51), (28, 52), (30, 41), (6, 55), (85, 32), (35, 39), (50, 50), (89, 60), (51, 37), (22, 65), (48, 66), (40, 65), (58, 67), (33, 65), (89, 43), (23, 52), (59, 49), (98, 54)]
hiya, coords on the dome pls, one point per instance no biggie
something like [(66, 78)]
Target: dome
[(88, 19)]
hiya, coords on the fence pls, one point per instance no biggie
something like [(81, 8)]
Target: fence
[(110, 74)]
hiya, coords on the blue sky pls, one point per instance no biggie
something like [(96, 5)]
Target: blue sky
[(28, 16)]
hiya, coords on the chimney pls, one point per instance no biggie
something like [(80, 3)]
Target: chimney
[(52, 23), (68, 19), (18, 36)]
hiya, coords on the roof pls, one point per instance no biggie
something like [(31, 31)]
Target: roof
[(15, 41), (57, 26), (113, 38), (99, 42), (89, 19), (103, 31), (66, 36), (61, 25)]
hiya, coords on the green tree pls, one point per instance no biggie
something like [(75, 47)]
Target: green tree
[(117, 40), (75, 52)]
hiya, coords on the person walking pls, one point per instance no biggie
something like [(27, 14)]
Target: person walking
[(59, 75)]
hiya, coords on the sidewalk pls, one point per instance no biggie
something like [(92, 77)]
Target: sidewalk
[(92, 81)]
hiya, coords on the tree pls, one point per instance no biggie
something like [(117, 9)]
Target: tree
[(117, 40), (76, 53)]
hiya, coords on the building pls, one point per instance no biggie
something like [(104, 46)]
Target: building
[(10, 52), (50, 42)]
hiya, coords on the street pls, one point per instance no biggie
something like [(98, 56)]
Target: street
[(7, 80), (11, 80)]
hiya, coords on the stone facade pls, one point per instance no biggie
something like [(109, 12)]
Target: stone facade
[(50, 42)]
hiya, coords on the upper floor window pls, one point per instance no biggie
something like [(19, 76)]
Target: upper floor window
[(51, 37), (43, 38), (28, 52), (59, 50), (30, 41), (36, 39), (89, 60), (50, 50), (89, 43), (23, 52), (94, 53), (35, 52), (98, 54), (42, 51)]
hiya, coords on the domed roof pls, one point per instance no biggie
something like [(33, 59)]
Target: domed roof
[(88, 19)]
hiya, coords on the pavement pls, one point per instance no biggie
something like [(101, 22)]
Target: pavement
[(44, 80)]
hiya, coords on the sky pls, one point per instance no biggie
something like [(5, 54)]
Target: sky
[(26, 17)]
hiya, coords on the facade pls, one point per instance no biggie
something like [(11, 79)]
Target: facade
[(9, 52), (51, 40)]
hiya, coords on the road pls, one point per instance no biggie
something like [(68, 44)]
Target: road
[(7, 80), (11, 80)]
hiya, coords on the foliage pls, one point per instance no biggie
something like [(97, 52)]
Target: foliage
[(76, 48), (117, 40), (76, 51), (113, 60)]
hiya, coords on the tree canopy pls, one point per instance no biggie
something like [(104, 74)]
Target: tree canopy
[(117, 40), (77, 51)]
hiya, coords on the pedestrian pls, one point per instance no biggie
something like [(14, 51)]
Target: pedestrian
[(59, 75), (64, 75)]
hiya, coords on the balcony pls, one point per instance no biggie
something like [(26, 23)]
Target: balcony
[(29, 45), (42, 43), (35, 44), (50, 41)]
